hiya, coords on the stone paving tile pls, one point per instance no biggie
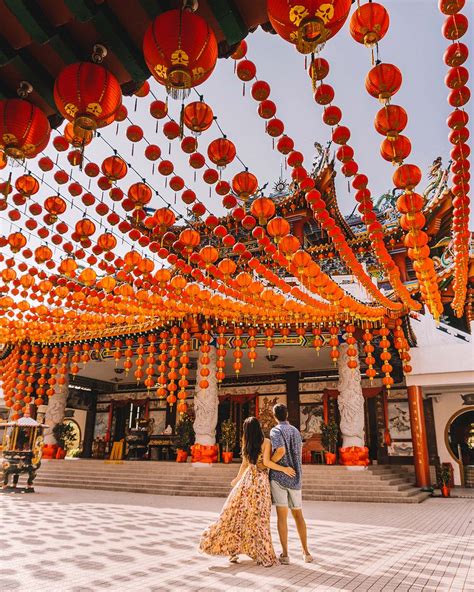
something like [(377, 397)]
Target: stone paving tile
[(65, 540)]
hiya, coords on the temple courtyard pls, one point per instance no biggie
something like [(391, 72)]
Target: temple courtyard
[(69, 540)]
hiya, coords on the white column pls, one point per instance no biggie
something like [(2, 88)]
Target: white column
[(55, 411), (206, 403), (350, 401)]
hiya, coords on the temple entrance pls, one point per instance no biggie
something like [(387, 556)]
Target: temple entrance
[(126, 414), (237, 409)]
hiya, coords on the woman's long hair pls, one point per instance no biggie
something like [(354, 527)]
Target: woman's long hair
[(252, 439)]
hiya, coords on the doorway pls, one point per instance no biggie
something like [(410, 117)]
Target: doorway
[(237, 410), (126, 415)]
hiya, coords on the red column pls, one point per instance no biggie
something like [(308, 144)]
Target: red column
[(418, 435)]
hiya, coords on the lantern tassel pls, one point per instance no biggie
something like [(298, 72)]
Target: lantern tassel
[(181, 122)]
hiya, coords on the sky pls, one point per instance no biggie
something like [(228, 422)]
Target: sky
[(414, 43)]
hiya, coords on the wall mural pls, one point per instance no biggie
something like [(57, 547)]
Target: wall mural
[(311, 418), (265, 410), (100, 426)]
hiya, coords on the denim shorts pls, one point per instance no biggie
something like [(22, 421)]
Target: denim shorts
[(285, 497)]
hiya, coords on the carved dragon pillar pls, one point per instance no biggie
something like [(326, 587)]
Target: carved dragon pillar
[(351, 408), (206, 403), (55, 411)]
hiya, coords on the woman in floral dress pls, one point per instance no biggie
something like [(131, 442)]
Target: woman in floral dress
[(243, 527)]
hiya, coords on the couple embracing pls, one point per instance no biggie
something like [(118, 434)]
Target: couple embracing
[(243, 527)]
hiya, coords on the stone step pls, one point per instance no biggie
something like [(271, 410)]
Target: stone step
[(337, 496), (313, 485), (179, 484)]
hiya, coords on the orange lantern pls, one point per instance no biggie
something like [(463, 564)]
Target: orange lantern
[(263, 208), (107, 241), (221, 152), (180, 50), (17, 241), (209, 255), (383, 81), (88, 95), (396, 150), (278, 228), (114, 168), (369, 24), (244, 185), (139, 194), (165, 218), (27, 185), (84, 229), (390, 121), (198, 116), (190, 239), (56, 206)]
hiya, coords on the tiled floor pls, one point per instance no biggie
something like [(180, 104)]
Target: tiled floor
[(60, 540)]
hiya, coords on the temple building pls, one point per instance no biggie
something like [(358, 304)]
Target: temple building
[(131, 309)]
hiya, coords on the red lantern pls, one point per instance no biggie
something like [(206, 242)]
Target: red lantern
[(457, 119), (210, 176), (134, 133), (275, 127), (27, 185), (114, 168), (332, 115), (307, 23), (180, 50), (197, 160), (198, 116), (455, 26), (451, 6), (165, 168), (285, 145), (396, 150), (390, 121), (241, 51), (407, 176), (246, 70), (221, 152), (45, 163), (341, 135), (77, 138), (171, 130), (139, 194), (383, 81), (324, 94), (318, 69), (176, 183), (260, 90), (458, 97), (456, 54), (24, 129), (91, 169), (189, 144), (456, 77), (244, 185), (152, 152), (369, 24), (88, 95), (158, 109)]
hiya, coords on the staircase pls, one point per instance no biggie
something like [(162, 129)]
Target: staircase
[(320, 482)]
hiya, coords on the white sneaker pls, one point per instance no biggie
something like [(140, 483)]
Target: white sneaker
[(308, 558), (284, 559), (234, 559)]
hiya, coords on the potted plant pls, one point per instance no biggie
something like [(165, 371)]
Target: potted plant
[(65, 436), (184, 437), (330, 432), (445, 480), (228, 438)]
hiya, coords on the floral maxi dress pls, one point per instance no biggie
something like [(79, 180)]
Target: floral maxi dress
[(243, 527)]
